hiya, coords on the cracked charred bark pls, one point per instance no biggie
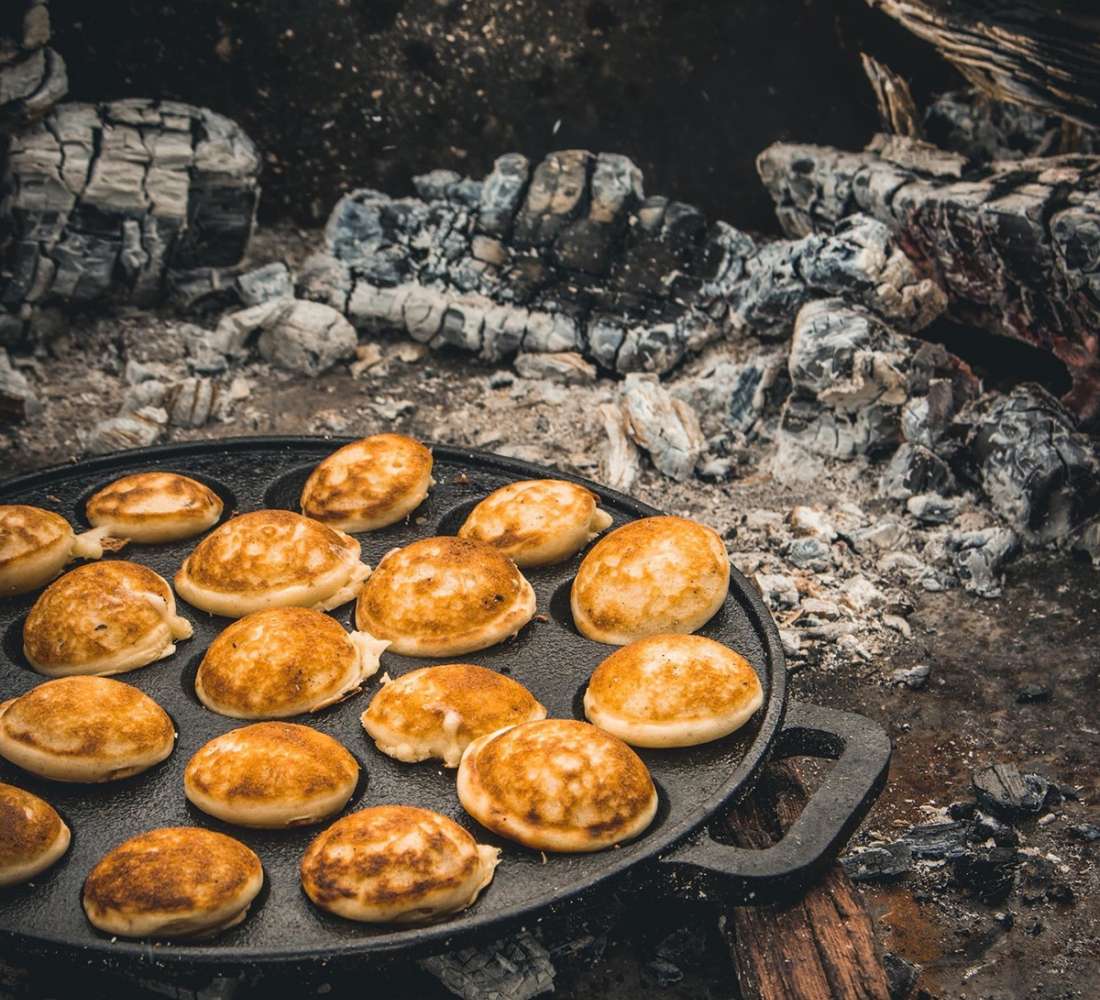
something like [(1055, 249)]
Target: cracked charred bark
[(1015, 243), (572, 256), (109, 201), (32, 76)]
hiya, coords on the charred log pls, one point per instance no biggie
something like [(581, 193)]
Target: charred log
[(1027, 52), (32, 76), (1016, 244), (572, 256), (896, 108), (107, 201)]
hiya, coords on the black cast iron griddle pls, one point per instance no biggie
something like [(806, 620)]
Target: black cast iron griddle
[(549, 656)]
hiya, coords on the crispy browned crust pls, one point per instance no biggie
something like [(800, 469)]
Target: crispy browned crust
[(673, 677), (357, 858), (94, 611), (483, 701), (29, 827), (270, 661), (182, 869), (271, 761), (368, 480), (183, 498), (411, 592), (265, 550), (656, 574), (25, 531), (87, 718), (562, 779)]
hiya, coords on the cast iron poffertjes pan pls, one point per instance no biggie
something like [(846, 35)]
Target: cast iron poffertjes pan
[(549, 656)]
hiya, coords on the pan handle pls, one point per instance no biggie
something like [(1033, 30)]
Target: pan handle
[(861, 749)]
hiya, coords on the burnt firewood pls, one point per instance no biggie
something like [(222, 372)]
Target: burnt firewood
[(107, 201), (571, 256), (32, 75), (981, 128), (1016, 243), (896, 108), (1030, 52)]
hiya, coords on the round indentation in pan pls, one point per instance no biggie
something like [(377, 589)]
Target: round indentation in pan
[(12, 644), (225, 494), (285, 492), (451, 521), (561, 610)]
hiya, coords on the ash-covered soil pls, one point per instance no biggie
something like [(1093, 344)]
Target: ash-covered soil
[(960, 681)]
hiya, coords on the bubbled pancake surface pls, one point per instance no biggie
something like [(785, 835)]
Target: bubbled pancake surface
[(271, 774), (395, 863), (370, 483), (259, 556), (154, 506), (84, 729), (438, 711), (32, 835), (548, 657), (172, 882), (278, 662), (557, 785), (94, 614), (672, 690), (29, 535), (444, 596), (536, 521), (657, 574)]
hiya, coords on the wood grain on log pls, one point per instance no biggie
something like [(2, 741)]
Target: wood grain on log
[(1016, 243), (1029, 52), (822, 947), (104, 201), (896, 108)]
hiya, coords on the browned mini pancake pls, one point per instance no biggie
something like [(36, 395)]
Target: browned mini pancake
[(444, 597), (271, 774), (271, 559), (84, 729), (103, 618), (672, 691), (438, 711), (538, 521), (557, 785), (369, 483), (32, 835), (175, 882), (154, 507), (656, 574), (396, 864), (284, 661), (36, 544)]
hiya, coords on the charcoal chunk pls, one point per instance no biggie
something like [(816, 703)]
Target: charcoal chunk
[(987, 874), (937, 841), (878, 862), (1029, 694), (1002, 789)]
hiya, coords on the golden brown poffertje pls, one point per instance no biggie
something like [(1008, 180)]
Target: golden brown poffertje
[(84, 729), (271, 774), (438, 711), (271, 559), (103, 618), (396, 864), (369, 484), (32, 835), (154, 507), (444, 597), (672, 691), (537, 522), (175, 882), (557, 785), (284, 661), (656, 574), (36, 544)]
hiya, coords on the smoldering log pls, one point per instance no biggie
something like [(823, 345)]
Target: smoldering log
[(571, 255), (1016, 243), (1029, 52), (107, 201), (32, 75)]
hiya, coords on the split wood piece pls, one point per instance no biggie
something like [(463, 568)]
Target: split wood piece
[(32, 76), (821, 947), (896, 108), (1029, 52), (1015, 243), (108, 200)]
